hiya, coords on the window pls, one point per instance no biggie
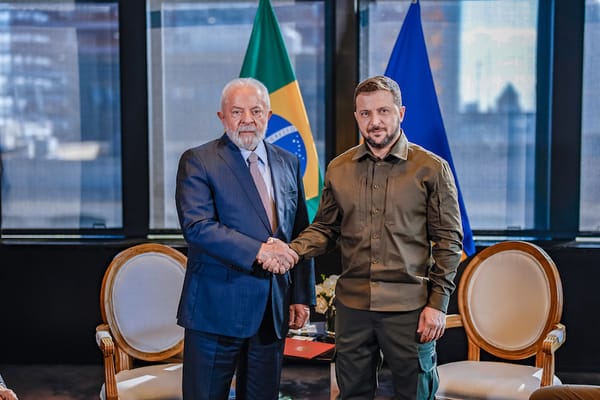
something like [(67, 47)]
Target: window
[(67, 66), (590, 141), (189, 67), (60, 116), (483, 59)]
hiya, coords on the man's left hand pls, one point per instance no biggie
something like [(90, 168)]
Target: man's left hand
[(299, 315), (432, 323)]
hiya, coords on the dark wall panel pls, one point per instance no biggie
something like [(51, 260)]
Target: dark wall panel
[(50, 303)]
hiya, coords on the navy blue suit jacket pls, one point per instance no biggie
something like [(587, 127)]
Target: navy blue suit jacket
[(224, 223)]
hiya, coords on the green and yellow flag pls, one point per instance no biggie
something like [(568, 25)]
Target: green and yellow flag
[(267, 60)]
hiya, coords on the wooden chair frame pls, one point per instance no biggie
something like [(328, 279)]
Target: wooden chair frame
[(554, 333), (117, 353)]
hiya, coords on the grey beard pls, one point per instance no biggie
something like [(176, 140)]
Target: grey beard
[(248, 143)]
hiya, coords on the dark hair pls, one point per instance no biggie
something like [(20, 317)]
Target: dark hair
[(376, 83)]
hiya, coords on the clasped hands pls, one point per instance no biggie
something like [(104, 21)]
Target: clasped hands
[(276, 256)]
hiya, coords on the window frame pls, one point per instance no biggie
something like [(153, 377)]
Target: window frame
[(67, 233), (559, 104), (559, 107)]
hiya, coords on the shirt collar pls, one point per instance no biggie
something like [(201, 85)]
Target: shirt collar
[(399, 150), (261, 152)]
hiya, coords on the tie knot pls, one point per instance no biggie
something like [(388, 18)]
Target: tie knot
[(252, 158)]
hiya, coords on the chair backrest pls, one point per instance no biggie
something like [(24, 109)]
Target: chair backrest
[(510, 297), (139, 298)]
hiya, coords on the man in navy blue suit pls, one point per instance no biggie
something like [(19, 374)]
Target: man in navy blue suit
[(236, 312)]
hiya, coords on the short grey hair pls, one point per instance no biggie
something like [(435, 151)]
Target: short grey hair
[(248, 82)]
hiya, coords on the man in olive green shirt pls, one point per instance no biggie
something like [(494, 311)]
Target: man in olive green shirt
[(392, 208)]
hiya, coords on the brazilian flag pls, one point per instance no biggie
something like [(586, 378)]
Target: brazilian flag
[(267, 60)]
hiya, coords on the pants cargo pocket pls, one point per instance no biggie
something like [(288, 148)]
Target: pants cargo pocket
[(428, 375)]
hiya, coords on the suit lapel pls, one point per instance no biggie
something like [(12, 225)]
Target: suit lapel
[(232, 156)]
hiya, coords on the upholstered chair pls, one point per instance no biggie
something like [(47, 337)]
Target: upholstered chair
[(510, 305), (139, 338)]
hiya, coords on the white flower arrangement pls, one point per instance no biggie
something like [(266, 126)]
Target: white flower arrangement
[(325, 292)]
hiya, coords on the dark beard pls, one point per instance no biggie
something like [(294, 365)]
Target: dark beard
[(388, 139)]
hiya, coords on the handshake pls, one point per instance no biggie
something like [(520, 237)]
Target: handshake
[(276, 256)]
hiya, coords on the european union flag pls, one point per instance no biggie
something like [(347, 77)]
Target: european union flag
[(423, 124)]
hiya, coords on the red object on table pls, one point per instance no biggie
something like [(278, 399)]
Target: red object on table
[(307, 349)]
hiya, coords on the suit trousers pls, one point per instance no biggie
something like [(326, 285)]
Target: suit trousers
[(365, 338), (211, 360)]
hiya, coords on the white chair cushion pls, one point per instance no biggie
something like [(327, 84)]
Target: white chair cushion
[(488, 380), (155, 382), (145, 296), (519, 280)]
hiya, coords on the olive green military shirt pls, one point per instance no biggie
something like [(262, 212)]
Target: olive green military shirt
[(397, 223)]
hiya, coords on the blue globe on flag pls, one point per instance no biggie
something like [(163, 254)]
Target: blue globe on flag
[(282, 133)]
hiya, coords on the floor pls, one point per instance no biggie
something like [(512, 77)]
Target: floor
[(300, 381)]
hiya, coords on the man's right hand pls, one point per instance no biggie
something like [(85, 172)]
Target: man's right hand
[(276, 256)]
